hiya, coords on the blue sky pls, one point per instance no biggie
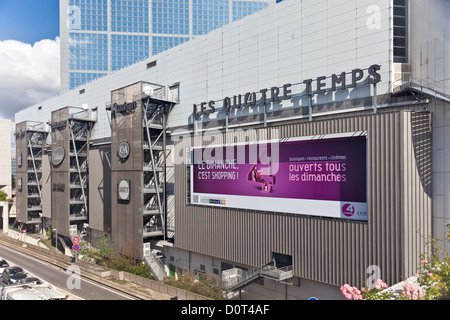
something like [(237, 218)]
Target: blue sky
[(29, 20), (29, 54)]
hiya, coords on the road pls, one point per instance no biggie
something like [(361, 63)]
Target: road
[(58, 278)]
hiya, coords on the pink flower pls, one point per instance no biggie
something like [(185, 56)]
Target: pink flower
[(424, 261), (348, 296), (379, 284), (408, 287)]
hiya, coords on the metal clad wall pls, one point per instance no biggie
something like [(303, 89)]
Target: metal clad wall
[(46, 186), (60, 174), (100, 188), (417, 201), (326, 250), (21, 171), (127, 216)]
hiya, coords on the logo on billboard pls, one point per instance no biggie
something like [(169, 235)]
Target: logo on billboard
[(123, 151), (123, 190), (58, 156), (348, 210)]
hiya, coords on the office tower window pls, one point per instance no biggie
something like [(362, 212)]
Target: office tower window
[(129, 16), (88, 51), (244, 8), (107, 35), (208, 15), (400, 31), (89, 15), (77, 79), (160, 44), (170, 16), (127, 49)]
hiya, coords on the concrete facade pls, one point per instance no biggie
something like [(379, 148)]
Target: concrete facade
[(430, 66)]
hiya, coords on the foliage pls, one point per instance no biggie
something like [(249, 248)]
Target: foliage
[(434, 272), (433, 278), (4, 196), (377, 293), (131, 265), (100, 252), (207, 285), (49, 232)]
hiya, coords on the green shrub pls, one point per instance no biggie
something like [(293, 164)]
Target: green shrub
[(207, 285)]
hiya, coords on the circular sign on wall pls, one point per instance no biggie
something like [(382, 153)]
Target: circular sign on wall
[(123, 151), (123, 190), (58, 156)]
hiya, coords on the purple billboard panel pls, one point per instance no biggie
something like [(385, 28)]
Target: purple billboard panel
[(323, 177)]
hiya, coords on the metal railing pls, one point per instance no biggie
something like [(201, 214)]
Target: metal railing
[(277, 273), (237, 280), (241, 278), (428, 85)]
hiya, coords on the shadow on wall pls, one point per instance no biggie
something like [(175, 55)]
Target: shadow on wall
[(421, 138)]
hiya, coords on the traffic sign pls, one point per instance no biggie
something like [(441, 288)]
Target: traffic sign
[(76, 247), (76, 240)]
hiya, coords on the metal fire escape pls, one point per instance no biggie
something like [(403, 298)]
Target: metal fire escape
[(153, 123), (156, 105), (36, 134), (234, 279), (80, 126), (424, 87)]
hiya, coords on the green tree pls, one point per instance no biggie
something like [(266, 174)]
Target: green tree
[(3, 195)]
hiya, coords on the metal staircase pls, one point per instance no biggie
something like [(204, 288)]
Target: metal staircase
[(156, 266), (236, 278), (155, 108), (80, 125), (36, 135)]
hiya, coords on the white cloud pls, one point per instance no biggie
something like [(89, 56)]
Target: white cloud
[(29, 74)]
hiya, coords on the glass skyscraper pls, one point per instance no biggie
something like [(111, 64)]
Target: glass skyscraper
[(101, 36)]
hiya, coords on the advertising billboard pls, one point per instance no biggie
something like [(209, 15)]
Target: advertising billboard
[(320, 176)]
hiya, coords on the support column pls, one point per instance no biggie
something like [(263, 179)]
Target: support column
[(5, 216)]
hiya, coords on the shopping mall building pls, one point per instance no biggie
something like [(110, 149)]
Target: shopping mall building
[(298, 149)]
